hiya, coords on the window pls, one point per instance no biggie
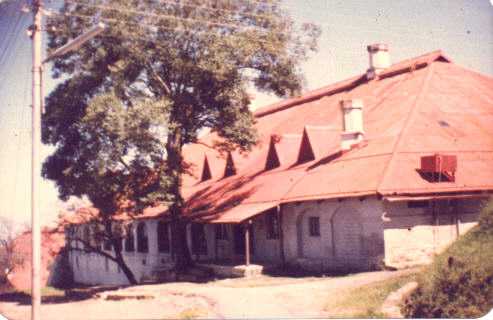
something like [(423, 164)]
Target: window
[(96, 236), (221, 231), (418, 204), (107, 245), (129, 240), (199, 243), (163, 236), (314, 225), (272, 222), (77, 262), (142, 240), (86, 237)]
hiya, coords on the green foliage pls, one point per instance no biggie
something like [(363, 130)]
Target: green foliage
[(157, 76), (459, 283), (131, 98), (486, 218)]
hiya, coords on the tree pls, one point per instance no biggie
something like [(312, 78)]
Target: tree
[(9, 259), (163, 71)]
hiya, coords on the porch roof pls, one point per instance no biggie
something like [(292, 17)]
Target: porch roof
[(237, 214)]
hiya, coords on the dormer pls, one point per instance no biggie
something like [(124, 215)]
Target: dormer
[(317, 142), (206, 170), (212, 167), (230, 168), (282, 151)]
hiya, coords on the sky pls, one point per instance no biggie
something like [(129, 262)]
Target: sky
[(462, 29)]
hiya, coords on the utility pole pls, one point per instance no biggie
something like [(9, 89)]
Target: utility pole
[(37, 99), (35, 160)]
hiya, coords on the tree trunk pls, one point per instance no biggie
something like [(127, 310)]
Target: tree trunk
[(178, 226), (116, 243), (126, 270), (179, 238)]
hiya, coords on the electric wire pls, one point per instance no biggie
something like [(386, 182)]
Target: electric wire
[(168, 16)]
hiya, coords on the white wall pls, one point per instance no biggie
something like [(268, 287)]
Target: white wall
[(266, 250), (355, 234), (93, 268), (413, 236), (351, 234)]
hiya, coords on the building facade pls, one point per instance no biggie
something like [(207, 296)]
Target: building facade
[(385, 168)]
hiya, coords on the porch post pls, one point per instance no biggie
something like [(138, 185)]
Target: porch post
[(216, 240), (281, 234), (247, 242)]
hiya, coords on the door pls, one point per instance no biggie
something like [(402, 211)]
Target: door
[(347, 238), (239, 239)]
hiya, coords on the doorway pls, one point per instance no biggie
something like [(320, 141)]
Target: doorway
[(239, 239)]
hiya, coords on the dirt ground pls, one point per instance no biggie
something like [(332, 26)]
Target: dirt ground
[(261, 297)]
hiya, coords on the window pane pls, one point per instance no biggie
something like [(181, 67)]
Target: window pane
[(163, 237), (314, 225), (142, 241), (129, 241)]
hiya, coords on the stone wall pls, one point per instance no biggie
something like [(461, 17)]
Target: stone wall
[(414, 235)]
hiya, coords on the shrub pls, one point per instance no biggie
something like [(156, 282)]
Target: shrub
[(459, 283)]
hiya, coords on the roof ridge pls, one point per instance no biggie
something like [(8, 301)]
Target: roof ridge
[(409, 120), (291, 135), (348, 83), (320, 127)]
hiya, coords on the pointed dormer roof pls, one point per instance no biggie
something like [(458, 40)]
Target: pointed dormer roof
[(230, 168), (212, 167), (317, 142), (283, 150), (206, 170)]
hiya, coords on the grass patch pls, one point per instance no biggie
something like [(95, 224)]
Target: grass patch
[(365, 301), (192, 313), (52, 292), (46, 292)]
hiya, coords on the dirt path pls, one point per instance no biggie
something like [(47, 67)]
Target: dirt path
[(263, 297)]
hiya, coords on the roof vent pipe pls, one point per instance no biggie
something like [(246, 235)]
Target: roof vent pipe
[(379, 59), (353, 133)]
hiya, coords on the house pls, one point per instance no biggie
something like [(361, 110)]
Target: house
[(387, 167)]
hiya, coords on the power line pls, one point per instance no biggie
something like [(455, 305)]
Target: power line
[(167, 16), (150, 26), (12, 34)]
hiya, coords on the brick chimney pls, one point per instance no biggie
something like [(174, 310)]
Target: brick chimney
[(379, 59), (352, 110)]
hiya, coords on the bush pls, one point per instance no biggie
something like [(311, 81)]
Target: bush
[(459, 283), (486, 218)]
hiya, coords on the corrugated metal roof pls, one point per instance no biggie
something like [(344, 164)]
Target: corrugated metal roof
[(417, 107), (236, 214)]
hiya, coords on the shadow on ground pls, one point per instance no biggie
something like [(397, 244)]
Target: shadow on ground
[(68, 295)]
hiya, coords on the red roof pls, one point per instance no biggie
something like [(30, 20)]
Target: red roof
[(417, 107), (53, 242), (281, 152)]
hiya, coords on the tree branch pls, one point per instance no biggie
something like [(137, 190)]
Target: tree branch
[(90, 248), (205, 144), (158, 78), (124, 163)]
